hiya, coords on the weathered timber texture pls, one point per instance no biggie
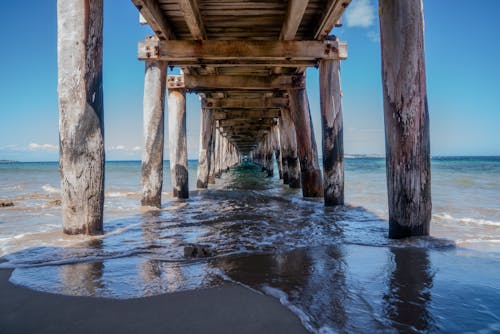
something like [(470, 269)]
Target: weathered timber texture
[(333, 142), (406, 117), (178, 142), (306, 144), (289, 149), (211, 173), (205, 147), (277, 149), (213, 52), (268, 152), (153, 127), (81, 125)]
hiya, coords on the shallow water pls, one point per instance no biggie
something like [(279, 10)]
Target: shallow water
[(333, 267)]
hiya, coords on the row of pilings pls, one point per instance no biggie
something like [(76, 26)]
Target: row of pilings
[(81, 126)]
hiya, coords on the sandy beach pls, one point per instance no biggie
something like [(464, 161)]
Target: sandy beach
[(226, 309)]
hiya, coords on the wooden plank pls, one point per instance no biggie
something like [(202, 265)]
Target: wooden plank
[(246, 103), (293, 18), (184, 52), (151, 11), (331, 15), (194, 21), (237, 82)]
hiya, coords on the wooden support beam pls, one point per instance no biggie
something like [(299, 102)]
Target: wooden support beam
[(331, 15), (246, 103), (406, 117), (332, 131), (312, 183), (293, 18), (192, 16), (153, 127), (196, 83), (246, 114), (205, 146), (288, 140), (178, 142), (81, 115), (184, 52), (246, 122), (152, 12)]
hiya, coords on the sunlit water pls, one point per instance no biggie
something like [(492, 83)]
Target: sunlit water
[(333, 267)]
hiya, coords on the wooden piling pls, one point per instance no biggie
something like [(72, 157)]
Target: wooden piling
[(289, 148), (277, 150), (153, 127), (211, 173), (268, 152), (81, 124), (205, 147), (406, 117), (332, 131), (306, 144), (178, 142)]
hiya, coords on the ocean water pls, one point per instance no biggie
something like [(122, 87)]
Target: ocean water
[(333, 267)]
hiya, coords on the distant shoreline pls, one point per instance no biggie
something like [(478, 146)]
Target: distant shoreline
[(346, 156)]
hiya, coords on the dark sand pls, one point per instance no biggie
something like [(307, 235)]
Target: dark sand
[(226, 309)]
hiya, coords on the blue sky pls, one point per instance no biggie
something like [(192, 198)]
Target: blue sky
[(463, 78)]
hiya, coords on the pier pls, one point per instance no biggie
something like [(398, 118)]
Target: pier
[(247, 62)]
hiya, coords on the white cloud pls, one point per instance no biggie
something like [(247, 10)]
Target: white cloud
[(118, 148), (42, 147), (361, 13), (136, 148)]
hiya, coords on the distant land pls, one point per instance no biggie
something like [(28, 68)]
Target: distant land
[(7, 161)]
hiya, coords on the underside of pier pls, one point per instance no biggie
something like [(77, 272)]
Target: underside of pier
[(247, 61)]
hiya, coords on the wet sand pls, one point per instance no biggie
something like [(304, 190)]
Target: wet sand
[(226, 309)]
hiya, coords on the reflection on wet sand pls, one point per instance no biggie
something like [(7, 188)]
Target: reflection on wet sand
[(409, 291), (83, 278)]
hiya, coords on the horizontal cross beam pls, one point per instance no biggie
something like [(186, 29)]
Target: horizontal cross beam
[(245, 103), (199, 83), (246, 114), (187, 52)]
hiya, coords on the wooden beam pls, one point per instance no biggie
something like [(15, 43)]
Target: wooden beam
[(241, 82), (246, 103), (246, 114), (331, 15), (152, 12), (184, 53), (293, 18), (192, 16), (245, 122)]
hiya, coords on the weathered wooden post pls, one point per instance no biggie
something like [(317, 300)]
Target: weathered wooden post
[(205, 146), (306, 144), (178, 141), (406, 117), (153, 127), (218, 148), (277, 149), (211, 173), (268, 151), (333, 142), (81, 113), (289, 148)]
